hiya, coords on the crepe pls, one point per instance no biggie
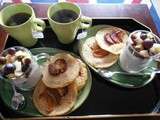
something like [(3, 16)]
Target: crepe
[(82, 77), (53, 102), (113, 48), (97, 62), (66, 77)]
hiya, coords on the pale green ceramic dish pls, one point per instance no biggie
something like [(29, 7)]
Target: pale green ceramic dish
[(120, 79), (29, 109)]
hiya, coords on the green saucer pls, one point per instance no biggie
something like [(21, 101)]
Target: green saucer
[(126, 81), (29, 109)]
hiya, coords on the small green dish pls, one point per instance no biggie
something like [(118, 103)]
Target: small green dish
[(29, 109), (126, 81)]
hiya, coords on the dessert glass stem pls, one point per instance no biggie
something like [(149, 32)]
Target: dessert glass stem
[(17, 98)]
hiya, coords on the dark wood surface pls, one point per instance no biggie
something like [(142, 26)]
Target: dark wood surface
[(138, 12)]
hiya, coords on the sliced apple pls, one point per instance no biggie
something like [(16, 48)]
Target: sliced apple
[(108, 39), (114, 37), (100, 53), (120, 35)]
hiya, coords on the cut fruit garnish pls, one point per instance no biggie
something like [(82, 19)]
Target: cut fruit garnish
[(96, 56), (100, 53), (97, 51), (111, 39), (108, 39)]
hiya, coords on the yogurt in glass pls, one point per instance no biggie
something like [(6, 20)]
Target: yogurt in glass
[(20, 67), (138, 51)]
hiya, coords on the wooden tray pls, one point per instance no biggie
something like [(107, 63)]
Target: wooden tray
[(105, 98)]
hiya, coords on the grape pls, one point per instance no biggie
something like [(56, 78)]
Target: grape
[(28, 72), (25, 67), (27, 61), (9, 68), (147, 44), (2, 60), (143, 36), (11, 51), (133, 36)]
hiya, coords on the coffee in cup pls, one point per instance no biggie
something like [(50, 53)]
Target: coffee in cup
[(20, 22), (66, 19)]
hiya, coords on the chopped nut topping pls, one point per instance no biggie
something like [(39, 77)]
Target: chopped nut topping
[(58, 67)]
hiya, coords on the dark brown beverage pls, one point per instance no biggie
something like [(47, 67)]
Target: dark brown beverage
[(64, 16), (18, 19)]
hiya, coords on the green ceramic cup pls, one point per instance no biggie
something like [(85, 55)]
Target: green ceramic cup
[(23, 33), (66, 32)]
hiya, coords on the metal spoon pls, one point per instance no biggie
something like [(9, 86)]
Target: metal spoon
[(17, 99)]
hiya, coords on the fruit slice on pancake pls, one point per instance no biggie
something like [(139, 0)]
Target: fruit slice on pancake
[(51, 101), (111, 39), (95, 56), (60, 70), (82, 77)]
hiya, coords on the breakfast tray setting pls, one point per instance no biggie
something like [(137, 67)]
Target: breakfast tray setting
[(100, 96)]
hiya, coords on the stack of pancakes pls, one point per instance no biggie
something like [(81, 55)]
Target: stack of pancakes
[(63, 78), (103, 49)]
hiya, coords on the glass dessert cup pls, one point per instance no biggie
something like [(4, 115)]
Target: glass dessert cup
[(131, 58), (25, 75)]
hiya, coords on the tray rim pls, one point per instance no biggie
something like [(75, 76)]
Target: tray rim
[(102, 116), (118, 116), (45, 18)]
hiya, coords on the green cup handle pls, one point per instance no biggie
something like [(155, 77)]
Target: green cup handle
[(86, 22), (39, 24)]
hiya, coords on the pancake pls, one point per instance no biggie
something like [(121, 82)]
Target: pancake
[(114, 43), (104, 61), (82, 77), (60, 70), (53, 102)]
